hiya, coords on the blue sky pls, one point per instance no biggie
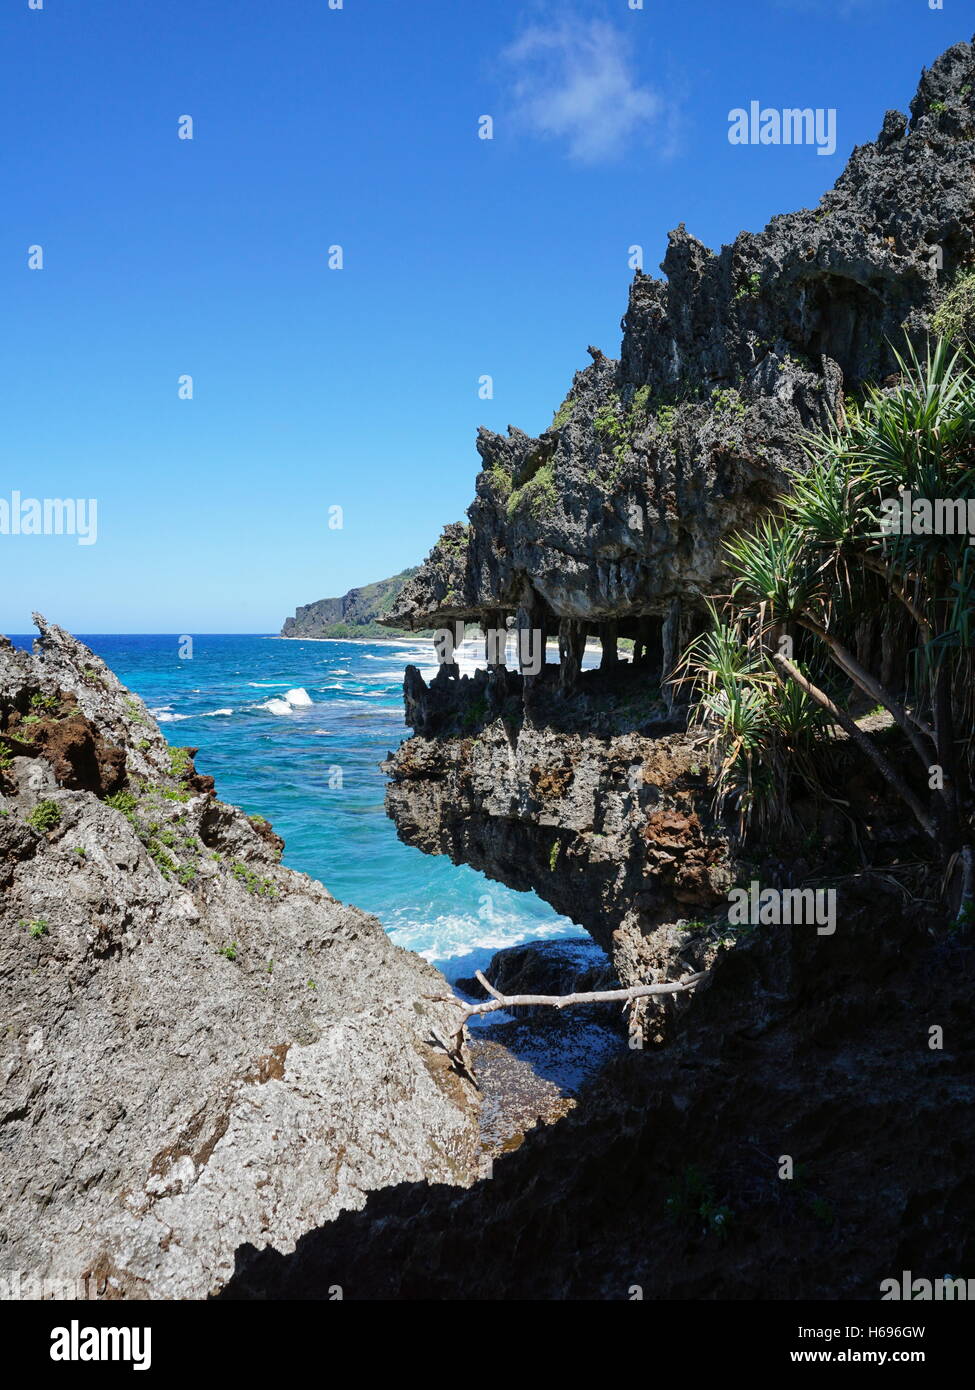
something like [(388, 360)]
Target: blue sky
[(358, 388)]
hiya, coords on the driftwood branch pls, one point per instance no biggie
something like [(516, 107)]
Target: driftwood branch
[(454, 1048), (562, 1001)]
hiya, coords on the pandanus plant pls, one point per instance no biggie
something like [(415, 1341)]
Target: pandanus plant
[(835, 556)]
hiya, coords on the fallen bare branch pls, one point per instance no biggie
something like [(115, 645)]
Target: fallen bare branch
[(562, 1001), (483, 980), (455, 1047)]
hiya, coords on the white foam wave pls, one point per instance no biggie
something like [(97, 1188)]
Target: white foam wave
[(166, 715), (275, 707), (452, 934), (296, 698)]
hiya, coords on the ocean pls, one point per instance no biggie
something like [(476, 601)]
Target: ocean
[(294, 731)]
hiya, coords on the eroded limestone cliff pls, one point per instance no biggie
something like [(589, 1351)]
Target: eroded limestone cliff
[(356, 614), (611, 522), (610, 525)]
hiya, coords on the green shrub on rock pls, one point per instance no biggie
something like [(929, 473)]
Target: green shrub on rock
[(45, 816)]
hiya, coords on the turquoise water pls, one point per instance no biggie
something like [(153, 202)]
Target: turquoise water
[(311, 770)]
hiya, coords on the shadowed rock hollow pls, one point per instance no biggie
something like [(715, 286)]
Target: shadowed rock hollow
[(668, 1174)]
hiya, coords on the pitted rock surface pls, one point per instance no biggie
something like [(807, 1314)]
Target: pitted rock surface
[(200, 1047)]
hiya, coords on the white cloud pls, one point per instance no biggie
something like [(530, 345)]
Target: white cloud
[(574, 81)]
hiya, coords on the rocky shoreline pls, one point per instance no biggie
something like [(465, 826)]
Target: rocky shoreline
[(220, 1082), (666, 1174), (532, 1067), (587, 787), (353, 616), (254, 1056), (201, 1047)]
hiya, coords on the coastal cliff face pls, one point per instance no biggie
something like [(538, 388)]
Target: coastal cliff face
[(615, 833), (580, 784), (201, 1049), (356, 614), (218, 1078), (791, 1128), (611, 522)]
